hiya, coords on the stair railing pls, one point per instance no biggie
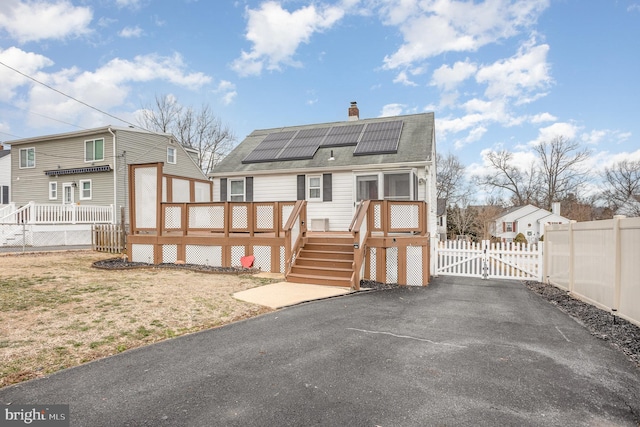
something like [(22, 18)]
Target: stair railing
[(360, 232), (295, 231)]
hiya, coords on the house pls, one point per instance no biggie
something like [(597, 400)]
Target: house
[(334, 166), (89, 167), (5, 175), (528, 220), (442, 219)]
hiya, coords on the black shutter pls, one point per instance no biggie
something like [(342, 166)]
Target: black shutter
[(326, 187), (223, 189), (301, 189), (248, 189), (5, 195)]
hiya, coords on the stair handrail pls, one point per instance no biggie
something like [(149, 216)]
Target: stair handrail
[(360, 232), (295, 230), (20, 212)]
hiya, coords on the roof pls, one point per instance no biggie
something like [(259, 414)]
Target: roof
[(80, 133), (415, 146), (4, 153)]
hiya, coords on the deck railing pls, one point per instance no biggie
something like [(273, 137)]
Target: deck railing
[(39, 213), (360, 231)]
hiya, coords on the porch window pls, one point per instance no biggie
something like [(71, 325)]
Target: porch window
[(397, 186), (236, 190), (367, 187), (171, 155), (94, 150), (53, 191), (27, 158), (85, 189), (315, 188)]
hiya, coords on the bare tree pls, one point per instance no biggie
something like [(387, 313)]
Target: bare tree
[(450, 179), (485, 217), (461, 218), (560, 169), (521, 185), (621, 184), (199, 130)]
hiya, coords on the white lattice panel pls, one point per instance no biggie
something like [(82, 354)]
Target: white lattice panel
[(392, 265), (181, 191), (169, 253), (263, 257), (404, 216), (204, 255), (377, 216), (286, 213), (264, 218), (146, 197), (372, 264), (173, 217), (282, 260), (237, 252), (239, 216), (142, 253), (414, 266), (206, 217)]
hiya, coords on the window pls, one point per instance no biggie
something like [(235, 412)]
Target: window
[(94, 150), (315, 187), (397, 186), (171, 155), (4, 194), (236, 190), (367, 187), (53, 191), (508, 227), (85, 189), (27, 158)]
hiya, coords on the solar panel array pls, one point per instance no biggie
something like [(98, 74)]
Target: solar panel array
[(371, 138), (379, 138)]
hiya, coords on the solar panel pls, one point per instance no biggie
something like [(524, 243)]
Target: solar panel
[(379, 138), (304, 145), (269, 148), (343, 135)]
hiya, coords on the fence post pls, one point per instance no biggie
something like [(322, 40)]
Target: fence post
[(542, 260), (617, 262), (572, 255)]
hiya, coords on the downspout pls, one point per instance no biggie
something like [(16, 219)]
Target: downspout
[(115, 178)]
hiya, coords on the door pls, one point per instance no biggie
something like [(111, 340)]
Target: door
[(67, 193)]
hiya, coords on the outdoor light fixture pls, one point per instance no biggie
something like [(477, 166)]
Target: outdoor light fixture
[(331, 158)]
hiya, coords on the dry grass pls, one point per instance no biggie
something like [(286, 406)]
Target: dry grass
[(56, 311)]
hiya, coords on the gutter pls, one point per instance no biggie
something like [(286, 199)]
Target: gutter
[(115, 178)]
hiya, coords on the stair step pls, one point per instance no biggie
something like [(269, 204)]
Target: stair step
[(322, 271), (348, 240), (319, 280), (324, 262), (339, 247), (305, 253)]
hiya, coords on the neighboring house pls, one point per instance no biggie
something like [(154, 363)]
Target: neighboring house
[(442, 219), (528, 220), (335, 165), (5, 175), (89, 167)]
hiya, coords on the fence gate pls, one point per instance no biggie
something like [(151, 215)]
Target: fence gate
[(490, 260)]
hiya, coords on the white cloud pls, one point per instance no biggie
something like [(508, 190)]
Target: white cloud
[(277, 33), (26, 62), (543, 117), (448, 78), (433, 27), (390, 110), (227, 90), (563, 129), (402, 78), (39, 20), (130, 32)]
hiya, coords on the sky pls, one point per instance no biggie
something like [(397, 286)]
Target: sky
[(498, 74)]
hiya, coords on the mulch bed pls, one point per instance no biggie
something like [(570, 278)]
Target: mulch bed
[(621, 334), (122, 264)]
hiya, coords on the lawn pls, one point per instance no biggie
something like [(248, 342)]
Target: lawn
[(57, 311)]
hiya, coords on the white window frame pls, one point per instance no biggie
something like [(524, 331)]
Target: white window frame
[(53, 190), (81, 189), (93, 149), (232, 195), (172, 158), (318, 187), (409, 189), (27, 166), (509, 227)]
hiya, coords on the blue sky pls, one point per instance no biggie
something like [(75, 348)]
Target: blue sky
[(497, 73)]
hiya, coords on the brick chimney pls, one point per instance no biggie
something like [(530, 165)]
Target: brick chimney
[(354, 113)]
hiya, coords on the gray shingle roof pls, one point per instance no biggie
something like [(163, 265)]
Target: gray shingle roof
[(4, 153), (415, 146)]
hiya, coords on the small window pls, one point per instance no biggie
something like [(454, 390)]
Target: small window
[(315, 187), (236, 190), (27, 158), (85, 189), (53, 191), (94, 150), (509, 227), (171, 155)]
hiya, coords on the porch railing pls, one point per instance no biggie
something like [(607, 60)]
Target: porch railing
[(360, 231), (38, 213)]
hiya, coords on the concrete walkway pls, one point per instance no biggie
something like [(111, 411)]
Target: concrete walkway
[(285, 294), (463, 352)]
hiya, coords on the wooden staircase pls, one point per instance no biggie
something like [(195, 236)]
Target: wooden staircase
[(325, 259)]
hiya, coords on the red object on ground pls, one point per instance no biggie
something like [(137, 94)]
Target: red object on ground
[(247, 261)]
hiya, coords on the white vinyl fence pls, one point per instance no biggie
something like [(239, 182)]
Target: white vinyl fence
[(490, 260), (597, 262)]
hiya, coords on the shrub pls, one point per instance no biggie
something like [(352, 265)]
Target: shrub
[(520, 238)]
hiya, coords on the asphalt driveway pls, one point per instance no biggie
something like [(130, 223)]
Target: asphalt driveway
[(460, 352)]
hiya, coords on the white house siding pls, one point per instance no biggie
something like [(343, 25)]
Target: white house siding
[(5, 174), (340, 209)]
